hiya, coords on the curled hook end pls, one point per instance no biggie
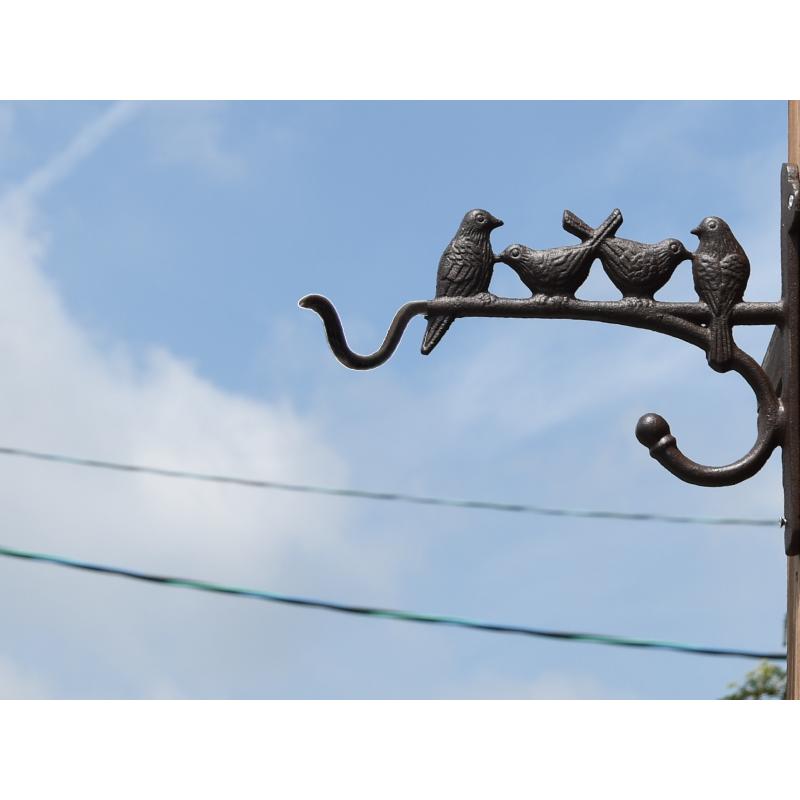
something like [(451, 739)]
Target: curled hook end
[(312, 301), (654, 433), (652, 429), (336, 338)]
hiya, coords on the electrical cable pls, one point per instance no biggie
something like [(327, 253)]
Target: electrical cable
[(406, 616), (389, 496)]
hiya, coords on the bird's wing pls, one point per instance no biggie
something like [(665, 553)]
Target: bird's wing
[(629, 264), (653, 259), (639, 258), (559, 256), (734, 271), (706, 280), (460, 270)]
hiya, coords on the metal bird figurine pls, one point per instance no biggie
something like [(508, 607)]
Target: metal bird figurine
[(638, 270), (559, 271), (720, 268), (465, 268)]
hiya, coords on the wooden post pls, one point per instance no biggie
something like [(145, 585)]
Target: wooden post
[(793, 562)]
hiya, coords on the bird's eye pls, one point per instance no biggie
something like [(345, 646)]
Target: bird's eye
[(515, 253), (712, 224), (674, 247), (480, 218)]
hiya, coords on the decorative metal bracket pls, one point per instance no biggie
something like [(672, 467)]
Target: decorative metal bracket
[(720, 269), (782, 359)]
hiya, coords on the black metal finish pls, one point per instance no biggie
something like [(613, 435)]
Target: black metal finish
[(785, 343), (720, 268), (638, 270), (560, 271), (465, 269)]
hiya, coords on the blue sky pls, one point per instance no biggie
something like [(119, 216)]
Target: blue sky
[(152, 258)]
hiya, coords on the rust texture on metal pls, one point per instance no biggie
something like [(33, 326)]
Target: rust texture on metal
[(791, 275), (789, 383), (720, 269)]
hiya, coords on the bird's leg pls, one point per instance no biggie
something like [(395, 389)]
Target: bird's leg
[(538, 297), (486, 298), (557, 299), (637, 302)]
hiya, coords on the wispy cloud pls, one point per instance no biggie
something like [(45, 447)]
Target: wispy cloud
[(18, 684), (192, 135), (60, 166), (6, 124), (74, 395), (652, 132), (546, 685)]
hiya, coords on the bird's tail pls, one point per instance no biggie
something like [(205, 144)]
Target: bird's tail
[(573, 224), (720, 349), (437, 327), (608, 227)]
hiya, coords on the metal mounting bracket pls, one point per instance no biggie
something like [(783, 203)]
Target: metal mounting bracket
[(782, 360)]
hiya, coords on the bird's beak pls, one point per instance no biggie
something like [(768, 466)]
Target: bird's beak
[(695, 231), (496, 223)]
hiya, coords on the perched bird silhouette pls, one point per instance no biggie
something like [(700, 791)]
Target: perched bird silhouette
[(465, 268), (720, 268), (559, 271), (636, 269)]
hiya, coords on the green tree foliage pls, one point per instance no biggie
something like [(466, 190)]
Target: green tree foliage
[(764, 682)]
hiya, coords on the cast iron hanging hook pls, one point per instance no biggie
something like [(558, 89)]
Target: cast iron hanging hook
[(681, 320), (720, 269)]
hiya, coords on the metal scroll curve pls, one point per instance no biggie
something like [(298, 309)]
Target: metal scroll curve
[(338, 342), (652, 430)]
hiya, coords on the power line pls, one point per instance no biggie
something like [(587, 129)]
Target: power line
[(389, 496), (405, 616)]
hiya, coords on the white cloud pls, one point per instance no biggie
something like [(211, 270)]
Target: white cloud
[(548, 685), (17, 684), (6, 124), (192, 134), (63, 392), (83, 145), (560, 686), (522, 400)]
